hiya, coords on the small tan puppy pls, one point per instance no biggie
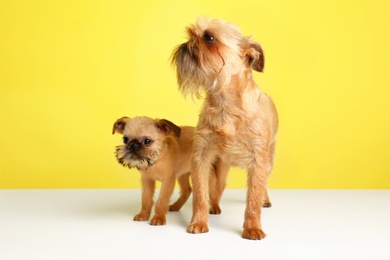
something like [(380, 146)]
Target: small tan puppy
[(238, 122), (161, 151)]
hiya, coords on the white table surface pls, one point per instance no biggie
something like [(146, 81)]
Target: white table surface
[(97, 224)]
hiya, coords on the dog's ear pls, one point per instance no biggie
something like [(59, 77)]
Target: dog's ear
[(255, 55), (166, 127), (120, 125)]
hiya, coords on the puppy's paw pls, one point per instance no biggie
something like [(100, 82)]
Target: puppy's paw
[(197, 228), (253, 234), (174, 207), (158, 221), (141, 217), (215, 210), (267, 204)]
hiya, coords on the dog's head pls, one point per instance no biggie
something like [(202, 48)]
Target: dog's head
[(214, 53), (143, 140)]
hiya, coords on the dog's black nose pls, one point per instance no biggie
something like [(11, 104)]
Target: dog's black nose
[(134, 146)]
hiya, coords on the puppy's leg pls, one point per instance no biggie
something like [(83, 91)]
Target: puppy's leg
[(217, 184), (148, 187), (266, 202), (201, 165), (213, 190), (162, 203), (185, 191), (257, 183)]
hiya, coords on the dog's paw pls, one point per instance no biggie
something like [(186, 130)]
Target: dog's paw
[(174, 207), (253, 234), (141, 217), (158, 221), (267, 204), (215, 210), (197, 228)]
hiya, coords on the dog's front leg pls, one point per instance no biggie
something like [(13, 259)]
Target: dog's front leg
[(148, 187), (202, 163), (162, 203), (257, 183)]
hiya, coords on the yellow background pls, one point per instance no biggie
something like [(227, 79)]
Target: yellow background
[(69, 69)]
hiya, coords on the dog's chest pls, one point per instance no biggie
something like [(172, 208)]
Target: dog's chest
[(231, 112), (224, 121), (235, 127), (241, 149)]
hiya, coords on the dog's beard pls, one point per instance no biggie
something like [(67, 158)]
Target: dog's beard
[(196, 71), (135, 159)]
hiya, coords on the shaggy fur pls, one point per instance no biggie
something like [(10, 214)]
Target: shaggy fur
[(238, 123), (161, 151)]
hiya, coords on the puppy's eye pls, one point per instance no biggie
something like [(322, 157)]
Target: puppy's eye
[(125, 140), (208, 38), (147, 142)]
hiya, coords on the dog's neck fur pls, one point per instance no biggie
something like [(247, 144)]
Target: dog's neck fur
[(225, 91), (230, 101)]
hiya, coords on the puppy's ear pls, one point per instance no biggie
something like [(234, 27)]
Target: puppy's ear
[(255, 55), (120, 125), (166, 127)]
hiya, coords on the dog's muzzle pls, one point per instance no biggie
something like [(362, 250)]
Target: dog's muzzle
[(133, 146)]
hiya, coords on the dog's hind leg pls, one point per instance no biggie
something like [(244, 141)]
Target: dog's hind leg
[(271, 152), (217, 184), (185, 192)]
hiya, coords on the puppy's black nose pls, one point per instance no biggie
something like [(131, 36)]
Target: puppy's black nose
[(134, 146)]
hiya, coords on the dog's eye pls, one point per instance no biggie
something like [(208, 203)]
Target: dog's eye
[(125, 140), (208, 38), (147, 142)]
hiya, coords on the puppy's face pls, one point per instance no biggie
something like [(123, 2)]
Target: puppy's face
[(215, 51), (143, 140)]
